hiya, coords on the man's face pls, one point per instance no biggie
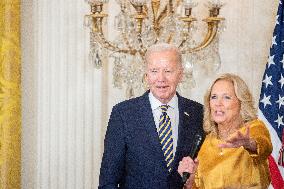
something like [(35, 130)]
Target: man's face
[(163, 73)]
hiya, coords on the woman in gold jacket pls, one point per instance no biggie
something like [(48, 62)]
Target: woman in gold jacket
[(237, 145)]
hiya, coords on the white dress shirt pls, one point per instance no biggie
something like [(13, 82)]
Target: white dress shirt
[(172, 112)]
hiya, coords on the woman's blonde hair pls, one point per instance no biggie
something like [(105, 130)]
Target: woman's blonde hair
[(247, 110)]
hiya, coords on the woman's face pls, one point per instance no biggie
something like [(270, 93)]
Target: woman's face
[(224, 104)]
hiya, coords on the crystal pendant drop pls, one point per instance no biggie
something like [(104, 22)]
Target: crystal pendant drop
[(189, 81), (216, 62), (97, 61), (117, 73)]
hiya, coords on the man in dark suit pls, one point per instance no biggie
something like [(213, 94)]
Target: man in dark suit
[(147, 136)]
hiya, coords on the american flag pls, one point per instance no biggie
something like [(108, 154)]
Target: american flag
[(271, 102)]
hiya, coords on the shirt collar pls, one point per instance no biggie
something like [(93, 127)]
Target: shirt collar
[(155, 103)]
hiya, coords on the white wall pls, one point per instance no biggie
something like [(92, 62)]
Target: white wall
[(66, 102), (29, 96)]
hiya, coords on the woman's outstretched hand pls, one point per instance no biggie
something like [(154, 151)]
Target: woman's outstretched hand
[(239, 139)]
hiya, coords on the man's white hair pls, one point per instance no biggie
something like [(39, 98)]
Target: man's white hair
[(160, 47)]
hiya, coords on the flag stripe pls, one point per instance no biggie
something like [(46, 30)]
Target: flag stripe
[(276, 178), (276, 142)]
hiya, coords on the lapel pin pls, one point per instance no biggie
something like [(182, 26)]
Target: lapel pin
[(186, 113)]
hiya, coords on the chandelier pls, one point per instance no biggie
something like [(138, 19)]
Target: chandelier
[(142, 23)]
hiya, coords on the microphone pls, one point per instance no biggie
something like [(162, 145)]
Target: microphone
[(195, 147)]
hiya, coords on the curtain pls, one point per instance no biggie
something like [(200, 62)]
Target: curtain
[(10, 95)]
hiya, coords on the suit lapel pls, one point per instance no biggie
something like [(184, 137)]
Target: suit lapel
[(148, 121), (180, 127), (183, 129), (187, 129)]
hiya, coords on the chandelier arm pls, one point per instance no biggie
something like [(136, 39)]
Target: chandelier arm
[(142, 52), (155, 8), (144, 8), (170, 7), (159, 19), (133, 5), (211, 34), (170, 37), (171, 10), (110, 46), (162, 15)]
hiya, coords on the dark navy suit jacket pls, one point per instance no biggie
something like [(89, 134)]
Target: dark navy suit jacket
[(133, 158)]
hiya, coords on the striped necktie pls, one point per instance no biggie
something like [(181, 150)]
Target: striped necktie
[(166, 136)]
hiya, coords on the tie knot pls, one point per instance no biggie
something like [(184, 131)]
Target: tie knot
[(164, 108)]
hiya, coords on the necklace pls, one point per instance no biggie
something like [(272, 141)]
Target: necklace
[(224, 131), (220, 150), (224, 134)]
